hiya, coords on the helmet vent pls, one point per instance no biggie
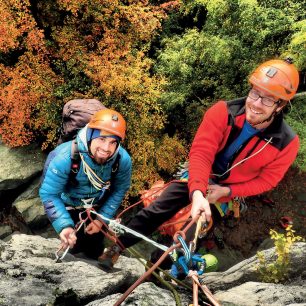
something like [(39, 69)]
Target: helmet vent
[(115, 118)]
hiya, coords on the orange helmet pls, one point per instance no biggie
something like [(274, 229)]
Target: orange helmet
[(109, 122), (278, 77)]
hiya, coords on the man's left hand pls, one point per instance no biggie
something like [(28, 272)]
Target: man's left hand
[(94, 227), (215, 192)]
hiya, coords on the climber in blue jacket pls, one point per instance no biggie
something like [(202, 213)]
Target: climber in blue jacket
[(93, 170)]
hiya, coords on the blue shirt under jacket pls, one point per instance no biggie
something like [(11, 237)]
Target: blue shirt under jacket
[(56, 192)]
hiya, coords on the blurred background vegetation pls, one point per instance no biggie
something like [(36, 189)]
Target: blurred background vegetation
[(160, 63)]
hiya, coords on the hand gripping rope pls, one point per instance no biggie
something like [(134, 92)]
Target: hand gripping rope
[(179, 240), (60, 254), (179, 244)]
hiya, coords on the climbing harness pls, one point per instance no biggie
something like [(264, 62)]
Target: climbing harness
[(235, 207)]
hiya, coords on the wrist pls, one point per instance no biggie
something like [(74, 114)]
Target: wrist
[(197, 193)]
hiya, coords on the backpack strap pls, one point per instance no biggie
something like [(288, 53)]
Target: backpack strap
[(75, 163), (115, 166)]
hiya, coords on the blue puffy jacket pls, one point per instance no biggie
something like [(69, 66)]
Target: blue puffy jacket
[(56, 192)]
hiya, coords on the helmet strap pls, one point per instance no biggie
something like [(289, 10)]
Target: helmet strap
[(89, 143)]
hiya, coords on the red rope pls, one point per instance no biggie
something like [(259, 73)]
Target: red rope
[(161, 259), (105, 233)]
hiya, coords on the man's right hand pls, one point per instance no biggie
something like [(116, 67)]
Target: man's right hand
[(68, 237), (200, 207)]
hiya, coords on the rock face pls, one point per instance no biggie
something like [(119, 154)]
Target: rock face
[(239, 285), (30, 276), (19, 166), (29, 207)]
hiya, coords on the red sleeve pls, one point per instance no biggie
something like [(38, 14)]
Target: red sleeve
[(271, 175), (205, 145)]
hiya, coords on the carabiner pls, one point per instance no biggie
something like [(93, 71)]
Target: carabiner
[(59, 258)]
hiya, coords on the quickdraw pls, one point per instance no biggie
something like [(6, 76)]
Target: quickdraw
[(179, 244), (61, 253)]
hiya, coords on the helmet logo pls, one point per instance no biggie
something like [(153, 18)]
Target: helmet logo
[(271, 72), (115, 117)]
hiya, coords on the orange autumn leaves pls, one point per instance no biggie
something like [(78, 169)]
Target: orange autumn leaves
[(105, 40), (52, 51)]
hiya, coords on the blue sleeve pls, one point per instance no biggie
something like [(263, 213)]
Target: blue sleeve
[(55, 177), (119, 186)]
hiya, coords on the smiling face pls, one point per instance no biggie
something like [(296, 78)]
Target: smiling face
[(103, 148), (257, 113)]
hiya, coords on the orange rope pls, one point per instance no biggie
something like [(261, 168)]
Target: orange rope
[(206, 291), (195, 290)]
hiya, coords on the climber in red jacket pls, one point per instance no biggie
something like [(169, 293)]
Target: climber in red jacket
[(242, 148)]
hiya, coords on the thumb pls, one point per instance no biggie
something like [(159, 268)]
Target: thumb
[(89, 227), (63, 237)]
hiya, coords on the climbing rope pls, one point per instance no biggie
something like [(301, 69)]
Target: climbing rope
[(177, 244), (93, 177), (115, 226)]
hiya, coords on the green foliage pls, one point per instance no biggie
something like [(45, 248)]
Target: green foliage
[(277, 271), (296, 119), (212, 61), (54, 51), (298, 43)]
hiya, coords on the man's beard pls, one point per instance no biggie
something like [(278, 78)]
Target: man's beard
[(100, 160)]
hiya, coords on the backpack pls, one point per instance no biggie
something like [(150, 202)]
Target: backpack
[(76, 114)]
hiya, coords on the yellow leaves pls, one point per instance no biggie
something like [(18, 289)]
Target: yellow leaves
[(248, 3), (216, 8), (170, 153), (72, 5), (278, 270)]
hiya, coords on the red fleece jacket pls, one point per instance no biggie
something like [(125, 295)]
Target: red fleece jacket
[(256, 175)]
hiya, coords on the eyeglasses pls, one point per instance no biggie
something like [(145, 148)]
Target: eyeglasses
[(254, 95)]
